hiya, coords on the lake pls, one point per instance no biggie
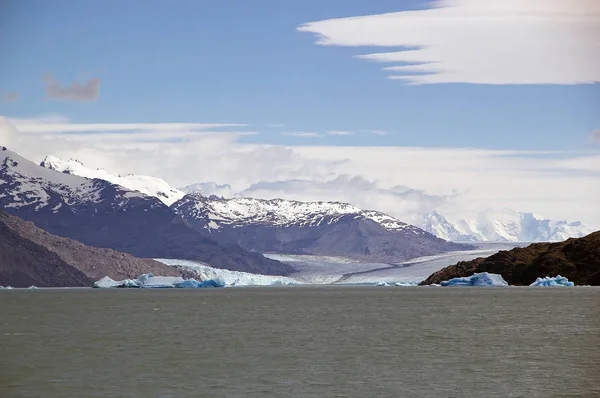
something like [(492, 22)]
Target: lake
[(322, 341)]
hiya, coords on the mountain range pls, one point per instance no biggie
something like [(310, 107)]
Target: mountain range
[(278, 226), (492, 225), (502, 225), (99, 213)]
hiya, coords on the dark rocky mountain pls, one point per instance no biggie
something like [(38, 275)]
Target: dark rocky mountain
[(578, 259), (101, 214), (94, 262), (24, 263), (317, 228)]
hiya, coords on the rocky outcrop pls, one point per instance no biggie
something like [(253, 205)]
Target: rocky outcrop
[(578, 259)]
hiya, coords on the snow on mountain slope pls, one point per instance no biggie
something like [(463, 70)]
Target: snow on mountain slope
[(503, 225), (237, 212), (150, 186), (29, 185)]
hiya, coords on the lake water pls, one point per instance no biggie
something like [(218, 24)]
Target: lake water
[(327, 341)]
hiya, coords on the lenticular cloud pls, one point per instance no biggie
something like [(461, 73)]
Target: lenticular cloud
[(478, 41)]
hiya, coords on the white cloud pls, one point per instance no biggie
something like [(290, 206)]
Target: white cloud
[(397, 180), (340, 133), (479, 41), (274, 125), (302, 134)]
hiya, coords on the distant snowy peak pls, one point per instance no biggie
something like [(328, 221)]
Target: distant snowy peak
[(150, 186), (237, 212), (503, 225)]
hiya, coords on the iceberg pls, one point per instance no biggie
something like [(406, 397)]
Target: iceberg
[(160, 282), (382, 283), (6, 287), (478, 279), (405, 284), (552, 281), (108, 282), (194, 284), (149, 281)]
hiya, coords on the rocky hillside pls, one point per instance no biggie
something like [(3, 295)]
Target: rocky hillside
[(94, 262), (24, 263), (578, 259)]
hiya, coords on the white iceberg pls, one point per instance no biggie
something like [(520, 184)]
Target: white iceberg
[(228, 277), (382, 283), (407, 283), (6, 287), (156, 282), (552, 281), (478, 279), (108, 282), (149, 281), (32, 287)]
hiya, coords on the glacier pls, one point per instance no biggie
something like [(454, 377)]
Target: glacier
[(478, 279), (205, 272), (552, 281)]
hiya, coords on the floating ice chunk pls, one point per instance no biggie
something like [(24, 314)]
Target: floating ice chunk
[(192, 283), (549, 281), (162, 281), (406, 284), (479, 279), (6, 287), (382, 283), (144, 278), (32, 287), (108, 282)]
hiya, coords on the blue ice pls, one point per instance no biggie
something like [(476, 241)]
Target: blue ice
[(478, 279), (552, 281)]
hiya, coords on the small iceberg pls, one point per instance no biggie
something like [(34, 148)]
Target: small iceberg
[(6, 287), (108, 282), (478, 279), (406, 284), (552, 281), (32, 287), (382, 283)]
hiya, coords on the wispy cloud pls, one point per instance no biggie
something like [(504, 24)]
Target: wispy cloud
[(275, 125), (302, 134), (478, 41), (340, 132), (378, 132), (87, 91)]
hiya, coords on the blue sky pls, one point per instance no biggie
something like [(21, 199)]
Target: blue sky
[(246, 62)]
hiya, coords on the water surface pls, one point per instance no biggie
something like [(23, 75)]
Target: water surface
[(327, 341)]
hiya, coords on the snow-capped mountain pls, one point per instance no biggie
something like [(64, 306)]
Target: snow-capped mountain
[(150, 186), (319, 228), (503, 225), (102, 214)]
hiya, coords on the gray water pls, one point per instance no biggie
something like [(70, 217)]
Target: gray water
[(301, 342)]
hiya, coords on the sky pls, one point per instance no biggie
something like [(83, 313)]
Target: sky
[(401, 106)]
